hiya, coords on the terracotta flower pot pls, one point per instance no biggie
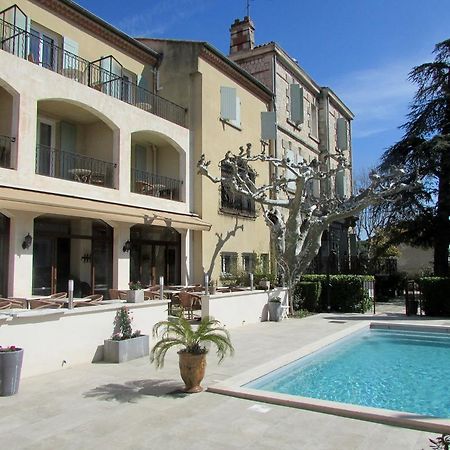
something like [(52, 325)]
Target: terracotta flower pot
[(192, 370)]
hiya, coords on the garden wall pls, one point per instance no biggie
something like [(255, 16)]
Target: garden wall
[(55, 339), (235, 309)]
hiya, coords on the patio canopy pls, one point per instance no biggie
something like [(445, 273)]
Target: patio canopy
[(45, 203)]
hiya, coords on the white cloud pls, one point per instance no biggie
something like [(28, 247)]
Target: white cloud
[(379, 97), (161, 17)]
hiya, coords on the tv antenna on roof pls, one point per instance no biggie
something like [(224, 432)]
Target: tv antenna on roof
[(248, 7)]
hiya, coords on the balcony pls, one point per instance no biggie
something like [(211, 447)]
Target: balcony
[(56, 163), (147, 183), (5, 151), (45, 53)]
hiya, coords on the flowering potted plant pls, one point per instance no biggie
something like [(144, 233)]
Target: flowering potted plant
[(125, 344), (10, 367), (136, 292)]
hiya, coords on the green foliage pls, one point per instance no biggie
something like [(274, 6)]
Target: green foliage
[(307, 295), (122, 325), (388, 286), (347, 292), (180, 333), (300, 314), (435, 296)]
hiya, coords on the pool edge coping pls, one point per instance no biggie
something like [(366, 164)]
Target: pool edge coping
[(234, 386)]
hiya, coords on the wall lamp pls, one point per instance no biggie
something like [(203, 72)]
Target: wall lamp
[(126, 247), (27, 240)]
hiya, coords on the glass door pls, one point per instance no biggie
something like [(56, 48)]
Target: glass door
[(4, 254), (45, 147), (44, 265)]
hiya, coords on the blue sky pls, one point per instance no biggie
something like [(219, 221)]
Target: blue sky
[(362, 49)]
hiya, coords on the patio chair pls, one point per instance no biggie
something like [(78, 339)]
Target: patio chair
[(59, 295), (18, 303), (151, 294), (114, 294), (42, 303), (89, 300), (5, 303), (189, 302)]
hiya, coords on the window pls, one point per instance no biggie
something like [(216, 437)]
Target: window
[(43, 48), (230, 106), (128, 86), (314, 121), (342, 134), (228, 263), (231, 200), (248, 262), (341, 185), (297, 109)]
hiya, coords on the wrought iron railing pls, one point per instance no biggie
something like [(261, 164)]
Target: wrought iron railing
[(57, 163), (44, 52), (5, 151), (155, 185)]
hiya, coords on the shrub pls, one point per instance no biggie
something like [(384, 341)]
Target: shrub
[(307, 295), (347, 292), (436, 296)]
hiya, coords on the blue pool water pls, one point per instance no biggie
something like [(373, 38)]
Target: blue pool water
[(384, 368)]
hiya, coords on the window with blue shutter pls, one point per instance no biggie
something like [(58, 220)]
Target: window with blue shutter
[(268, 125), (342, 135)]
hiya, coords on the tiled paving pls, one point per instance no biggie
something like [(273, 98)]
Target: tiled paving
[(133, 406)]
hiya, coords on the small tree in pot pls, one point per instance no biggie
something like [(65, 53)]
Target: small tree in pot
[(192, 355)]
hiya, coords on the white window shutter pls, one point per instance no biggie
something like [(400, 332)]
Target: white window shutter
[(237, 122), (268, 125), (340, 184), (70, 48), (297, 109), (228, 103), (342, 138)]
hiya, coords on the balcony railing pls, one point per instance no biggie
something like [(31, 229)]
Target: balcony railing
[(155, 185), (57, 163), (5, 151), (44, 52)]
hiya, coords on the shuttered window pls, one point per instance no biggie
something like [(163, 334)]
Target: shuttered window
[(297, 108), (342, 135), (228, 103), (268, 125)]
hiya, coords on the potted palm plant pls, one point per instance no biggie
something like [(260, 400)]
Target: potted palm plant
[(10, 367), (192, 340), (136, 292), (125, 344)]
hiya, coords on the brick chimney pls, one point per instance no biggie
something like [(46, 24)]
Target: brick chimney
[(242, 35)]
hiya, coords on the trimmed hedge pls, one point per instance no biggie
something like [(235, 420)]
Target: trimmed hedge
[(347, 292), (435, 296), (307, 296)]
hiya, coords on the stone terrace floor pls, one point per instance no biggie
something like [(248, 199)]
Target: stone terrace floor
[(133, 406)]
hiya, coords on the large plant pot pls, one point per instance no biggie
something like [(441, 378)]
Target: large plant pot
[(192, 370), (275, 311), (135, 296), (10, 368), (126, 350)]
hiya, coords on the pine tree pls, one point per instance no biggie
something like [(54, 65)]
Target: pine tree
[(422, 216)]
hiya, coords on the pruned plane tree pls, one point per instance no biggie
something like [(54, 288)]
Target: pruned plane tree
[(297, 217)]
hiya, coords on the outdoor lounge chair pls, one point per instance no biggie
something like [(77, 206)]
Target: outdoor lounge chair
[(114, 294), (89, 300), (5, 303), (43, 303), (59, 295)]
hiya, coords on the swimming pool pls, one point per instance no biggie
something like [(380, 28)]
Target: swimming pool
[(401, 370), (402, 382)]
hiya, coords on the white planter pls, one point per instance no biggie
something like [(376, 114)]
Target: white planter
[(122, 351), (135, 296)]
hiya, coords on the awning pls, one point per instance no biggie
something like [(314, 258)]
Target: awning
[(44, 203)]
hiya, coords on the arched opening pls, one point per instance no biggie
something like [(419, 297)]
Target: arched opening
[(66, 248), (155, 252), (7, 136), (155, 166), (74, 144), (4, 254)]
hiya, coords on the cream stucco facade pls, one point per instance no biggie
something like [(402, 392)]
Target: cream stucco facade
[(193, 74), (100, 158)]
